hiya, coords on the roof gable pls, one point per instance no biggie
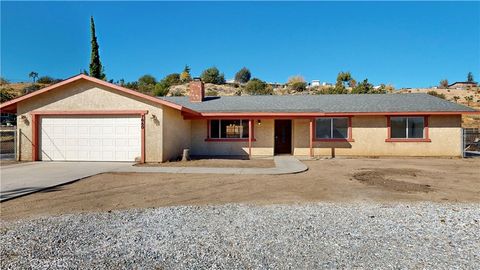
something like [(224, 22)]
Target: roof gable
[(10, 106)]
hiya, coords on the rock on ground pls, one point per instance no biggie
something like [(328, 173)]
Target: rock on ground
[(323, 235)]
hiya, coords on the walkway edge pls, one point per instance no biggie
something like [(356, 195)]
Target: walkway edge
[(283, 165)]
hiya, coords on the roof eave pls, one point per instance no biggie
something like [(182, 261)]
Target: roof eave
[(210, 115)]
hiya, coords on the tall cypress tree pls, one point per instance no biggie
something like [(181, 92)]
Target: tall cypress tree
[(96, 69)]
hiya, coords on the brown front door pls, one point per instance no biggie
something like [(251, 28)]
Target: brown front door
[(283, 137)]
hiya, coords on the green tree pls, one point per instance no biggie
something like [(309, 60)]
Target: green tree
[(161, 88), (33, 75), (343, 79), (213, 75), (147, 79), (185, 75), (146, 84), (258, 87), (470, 77), (173, 79), (96, 68), (443, 83), (243, 75), (366, 88)]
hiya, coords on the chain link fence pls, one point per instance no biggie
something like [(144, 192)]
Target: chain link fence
[(471, 142), (8, 143)]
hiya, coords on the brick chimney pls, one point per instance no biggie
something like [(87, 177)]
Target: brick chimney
[(197, 90)]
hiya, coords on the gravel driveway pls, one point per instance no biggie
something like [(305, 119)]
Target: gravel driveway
[(323, 235)]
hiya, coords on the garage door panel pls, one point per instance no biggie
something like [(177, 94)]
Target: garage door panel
[(90, 138)]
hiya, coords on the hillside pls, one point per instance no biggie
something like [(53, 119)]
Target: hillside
[(467, 121)]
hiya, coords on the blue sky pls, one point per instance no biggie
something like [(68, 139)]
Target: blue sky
[(407, 44)]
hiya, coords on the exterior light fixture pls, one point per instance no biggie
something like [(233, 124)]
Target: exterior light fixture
[(259, 122)]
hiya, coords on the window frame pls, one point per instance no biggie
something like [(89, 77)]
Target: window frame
[(210, 139), (426, 135), (349, 130)]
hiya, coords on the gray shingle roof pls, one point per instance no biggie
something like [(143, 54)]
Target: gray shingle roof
[(322, 103)]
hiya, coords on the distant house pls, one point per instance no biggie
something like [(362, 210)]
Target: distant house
[(462, 85), (87, 119), (315, 83)]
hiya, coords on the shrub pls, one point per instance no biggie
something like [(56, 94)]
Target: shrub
[(176, 93), (444, 83), (213, 75), (173, 79), (329, 90), (366, 88), (161, 89), (31, 88), (46, 80), (436, 94), (297, 83), (258, 87), (4, 81), (7, 94), (243, 75), (131, 85), (211, 93)]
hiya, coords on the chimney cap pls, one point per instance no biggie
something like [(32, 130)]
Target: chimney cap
[(197, 79)]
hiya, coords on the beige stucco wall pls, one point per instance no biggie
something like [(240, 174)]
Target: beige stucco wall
[(369, 134), (176, 134), (263, 146), (81, 96), (167, 133)]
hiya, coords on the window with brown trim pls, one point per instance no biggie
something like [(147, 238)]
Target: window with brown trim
[(334, 128), (407, 128), (229, 129)]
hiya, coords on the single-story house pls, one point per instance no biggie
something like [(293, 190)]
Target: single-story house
[(462, 85), (83, 118)]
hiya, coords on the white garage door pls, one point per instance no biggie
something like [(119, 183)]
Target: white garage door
[(90, 138)]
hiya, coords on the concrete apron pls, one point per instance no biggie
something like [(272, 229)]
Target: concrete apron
[(25, 178), (283, 165)]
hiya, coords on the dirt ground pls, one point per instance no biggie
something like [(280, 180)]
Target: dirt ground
[(216, 163), (334, 180)]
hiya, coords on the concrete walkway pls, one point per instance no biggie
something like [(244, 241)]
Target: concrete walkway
[(24, 178), (283, 165)]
